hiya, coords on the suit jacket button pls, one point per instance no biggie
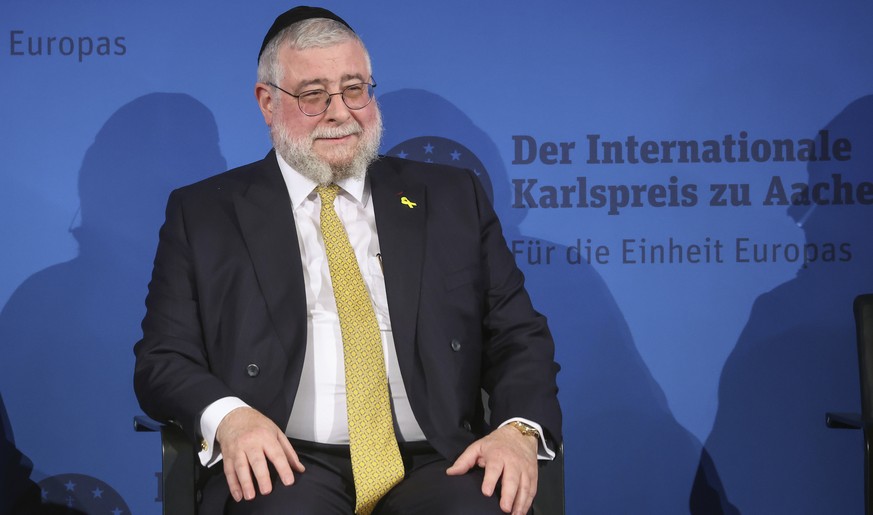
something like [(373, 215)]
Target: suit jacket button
[(467, 425), (456, 344), (252, 370)]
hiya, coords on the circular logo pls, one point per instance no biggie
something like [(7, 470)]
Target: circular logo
[(82, 494), (434, 149)]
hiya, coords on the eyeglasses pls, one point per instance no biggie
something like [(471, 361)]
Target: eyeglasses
[(316, 101)]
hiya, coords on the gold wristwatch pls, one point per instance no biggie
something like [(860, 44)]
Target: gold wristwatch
[(525, 429)]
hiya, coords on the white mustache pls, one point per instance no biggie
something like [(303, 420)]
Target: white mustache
[(336, 132)]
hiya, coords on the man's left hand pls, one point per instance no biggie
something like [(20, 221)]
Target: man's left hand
[(506, 454)]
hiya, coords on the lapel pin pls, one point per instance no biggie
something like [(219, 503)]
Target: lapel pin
[(406, 202)]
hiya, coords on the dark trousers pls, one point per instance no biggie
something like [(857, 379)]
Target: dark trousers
[(327, 487)]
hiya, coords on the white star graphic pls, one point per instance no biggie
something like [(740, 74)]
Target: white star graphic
[(71, 487), (456, 156), (428, 149), (402, 154), (117, 511), (97, 493)]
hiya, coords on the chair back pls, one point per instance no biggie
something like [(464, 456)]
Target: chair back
[(863, 309)]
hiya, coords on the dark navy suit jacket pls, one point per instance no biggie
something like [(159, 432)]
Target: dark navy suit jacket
[(226, 304)]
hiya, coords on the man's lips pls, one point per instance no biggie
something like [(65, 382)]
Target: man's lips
[(337, 139)]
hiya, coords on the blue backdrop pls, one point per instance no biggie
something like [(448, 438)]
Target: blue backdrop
[(686, 185)]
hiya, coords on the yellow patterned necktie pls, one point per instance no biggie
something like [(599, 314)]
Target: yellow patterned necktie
[(376, 462)]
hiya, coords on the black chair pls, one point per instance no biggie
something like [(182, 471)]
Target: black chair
[(179, 467), (863, 309), (179, 472)]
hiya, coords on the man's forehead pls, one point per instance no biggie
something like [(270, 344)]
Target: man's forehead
[(337, 63)]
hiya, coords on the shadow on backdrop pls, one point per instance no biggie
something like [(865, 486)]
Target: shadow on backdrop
[(625, 452), (67, 332), (796, 358), (19, 493)]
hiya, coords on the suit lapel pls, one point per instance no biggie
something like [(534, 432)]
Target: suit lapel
[(401, 225), (267, 223)]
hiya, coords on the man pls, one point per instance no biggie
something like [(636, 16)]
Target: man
[(256, 339)]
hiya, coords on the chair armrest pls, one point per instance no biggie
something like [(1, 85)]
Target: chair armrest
[(178, 466), (843, 420), (144, 424)]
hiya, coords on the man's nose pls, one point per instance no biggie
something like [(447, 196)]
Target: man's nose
[(337, 110)]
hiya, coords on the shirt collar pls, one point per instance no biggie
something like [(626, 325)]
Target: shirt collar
[(300, 187)]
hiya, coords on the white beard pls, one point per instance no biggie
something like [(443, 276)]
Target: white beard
[(298, 152)]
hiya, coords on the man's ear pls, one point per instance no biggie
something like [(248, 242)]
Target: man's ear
[(264, 96)]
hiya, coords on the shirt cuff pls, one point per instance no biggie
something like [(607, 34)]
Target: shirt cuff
[(543, 450), (209, 420)]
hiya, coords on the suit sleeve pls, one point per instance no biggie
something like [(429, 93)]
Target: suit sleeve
[(519, 370), (172, 379)]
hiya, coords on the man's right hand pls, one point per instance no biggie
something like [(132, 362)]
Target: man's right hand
[(248, 440)]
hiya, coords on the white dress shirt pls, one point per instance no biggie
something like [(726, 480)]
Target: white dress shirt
[(319, 412)]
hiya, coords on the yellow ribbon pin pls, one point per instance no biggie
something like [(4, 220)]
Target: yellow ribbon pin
[(406, 202)]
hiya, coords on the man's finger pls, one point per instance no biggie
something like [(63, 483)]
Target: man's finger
[(522, 501), (232, 481), (465, 462), (492, 475), (509, 488), (277, 456), (525, 507), (241, 470), (531, 494), (258, 462), (291, 454)]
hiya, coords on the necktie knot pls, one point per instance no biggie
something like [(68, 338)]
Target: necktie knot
[(327, 193)]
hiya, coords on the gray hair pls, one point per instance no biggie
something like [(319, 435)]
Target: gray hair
[(311, 33)]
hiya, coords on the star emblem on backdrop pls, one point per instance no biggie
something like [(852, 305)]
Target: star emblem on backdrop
[(82, 493)]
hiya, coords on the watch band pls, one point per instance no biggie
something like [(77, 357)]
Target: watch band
[(525, 429)]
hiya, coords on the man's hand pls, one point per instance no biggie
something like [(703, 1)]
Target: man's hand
[(507, 453), (248, 439)]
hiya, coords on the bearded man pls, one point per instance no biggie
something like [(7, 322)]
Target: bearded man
[(323, 321)]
